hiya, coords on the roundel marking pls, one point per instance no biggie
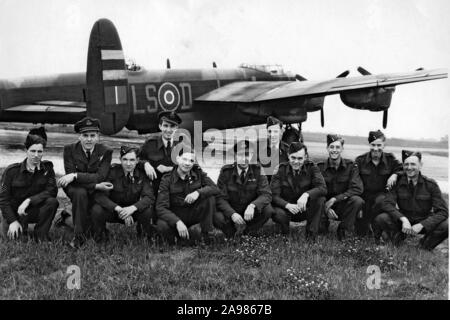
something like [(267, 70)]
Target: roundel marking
[(168, 96)]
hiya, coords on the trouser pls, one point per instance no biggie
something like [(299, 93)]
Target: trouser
[(42, 215), (393, 229), (370, 210), (201, 211), (82, 202), (346, 210), (312, 215), (100, 216), (228, 227)]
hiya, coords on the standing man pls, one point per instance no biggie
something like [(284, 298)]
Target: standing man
[(273, 147), (244, 203), (344, 185), (28, 191), (131, 198), (86, 163), (298, 191), (378, 171), (186, 196), (157, 150), (421, 208)]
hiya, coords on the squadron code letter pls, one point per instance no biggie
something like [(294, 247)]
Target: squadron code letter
[(202, 311)]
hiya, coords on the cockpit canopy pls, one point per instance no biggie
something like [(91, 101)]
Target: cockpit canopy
[(273, 69)]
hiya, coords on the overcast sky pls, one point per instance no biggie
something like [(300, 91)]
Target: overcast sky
[(317, 39)]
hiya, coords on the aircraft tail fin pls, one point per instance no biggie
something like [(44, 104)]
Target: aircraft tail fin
[(107, 78)]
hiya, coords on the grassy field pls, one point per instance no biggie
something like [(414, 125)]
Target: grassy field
[(266, 267)]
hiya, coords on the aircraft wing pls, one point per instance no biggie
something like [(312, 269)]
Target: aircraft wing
[(258, 91), (51, 106)]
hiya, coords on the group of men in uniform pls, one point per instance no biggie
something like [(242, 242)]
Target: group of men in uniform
[(162, 188)]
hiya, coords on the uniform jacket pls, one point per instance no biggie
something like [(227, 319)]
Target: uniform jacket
[(89, 173), (173, 190), (154, 151), (425, 204), (236, 196), (343, 182), (375, 177), (265, 150), (287, 189), (138, 192), (19, 184)]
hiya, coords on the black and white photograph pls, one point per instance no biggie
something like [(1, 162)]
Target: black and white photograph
[(241, 151)]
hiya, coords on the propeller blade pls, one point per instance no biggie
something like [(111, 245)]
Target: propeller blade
[(322, 117), (300, 78), (363, 71), (214, 65), (343, 74), (168, 63), (385, 119)]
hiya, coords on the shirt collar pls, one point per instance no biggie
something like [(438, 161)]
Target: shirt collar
[(164, 142), (85, 151), (382, 159), (24, 166), (177, 177), (341, 164)]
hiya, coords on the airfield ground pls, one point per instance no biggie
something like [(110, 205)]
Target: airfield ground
[(267, 267)]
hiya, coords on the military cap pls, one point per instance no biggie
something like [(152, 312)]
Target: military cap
[(374, 135), (333, 138), (272, 120), (242, 145), (36, 136), (296, 146), (127, 149), (407, 153), (169, 116), (87, 124)]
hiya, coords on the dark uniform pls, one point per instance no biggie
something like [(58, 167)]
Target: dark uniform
[(19, 184), (156, 154), (374, 181), (89, 172), (237, 195), (128, 190), (171, 207), (287, 188), (345, 185), (422, 203), (266, 151)]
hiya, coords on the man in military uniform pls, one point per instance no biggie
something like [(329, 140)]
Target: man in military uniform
[(298, 191), (186, 197), (156, 153), (86, 163), (378, 171), (421, 208), (344, 185), (131, 198), (244, 203), (272, 149), (28, 191)]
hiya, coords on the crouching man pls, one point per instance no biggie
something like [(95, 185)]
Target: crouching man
[(28, 191), (298, 192), (421, 208), (344, 187), (244, 202), (186, 197), (130, 200)]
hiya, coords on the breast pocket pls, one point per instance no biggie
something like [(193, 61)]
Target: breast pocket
[(177, 195)]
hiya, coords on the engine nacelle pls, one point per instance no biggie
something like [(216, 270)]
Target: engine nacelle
[(378, 99)]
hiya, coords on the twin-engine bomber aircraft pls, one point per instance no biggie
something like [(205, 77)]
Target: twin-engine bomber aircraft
[(222, 98)]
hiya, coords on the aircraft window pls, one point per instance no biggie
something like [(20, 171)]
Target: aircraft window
[(272, 69)]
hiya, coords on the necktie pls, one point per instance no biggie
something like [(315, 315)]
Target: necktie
[(130, 178), (242, 176), (169, 147), (88, 155), (411, 186)]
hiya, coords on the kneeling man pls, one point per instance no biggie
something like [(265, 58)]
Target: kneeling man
[(186, 197), (244, 203), (298, 191), (131, 198), (344, 187), (421, 208)]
